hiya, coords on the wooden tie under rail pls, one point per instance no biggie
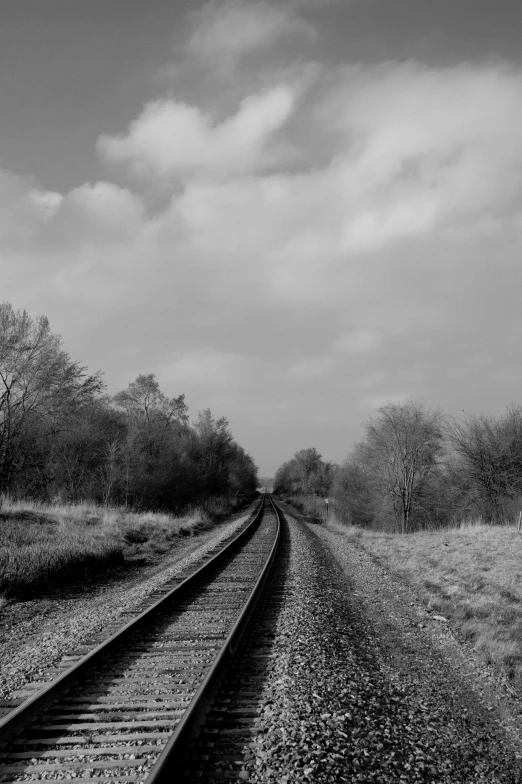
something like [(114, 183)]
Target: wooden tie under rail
[(130, 709)]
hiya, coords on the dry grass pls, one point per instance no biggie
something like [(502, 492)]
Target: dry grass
[(310, 505), (471, 575), (44, 545)]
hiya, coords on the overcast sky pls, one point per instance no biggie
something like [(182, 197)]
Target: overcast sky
[(290, 211)]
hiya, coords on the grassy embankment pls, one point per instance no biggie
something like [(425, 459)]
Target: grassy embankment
[(45, 545), (311, 506), (471, 575)]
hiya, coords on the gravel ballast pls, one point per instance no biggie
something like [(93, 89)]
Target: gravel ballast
[(356, 691)]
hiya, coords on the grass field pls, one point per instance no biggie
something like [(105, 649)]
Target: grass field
[(471, 575), (45, 545)]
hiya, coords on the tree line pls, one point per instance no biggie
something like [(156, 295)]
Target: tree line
[(416, 468), (63, 437)]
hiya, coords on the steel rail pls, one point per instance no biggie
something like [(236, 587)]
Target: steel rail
[(178, 747), (28, 710)]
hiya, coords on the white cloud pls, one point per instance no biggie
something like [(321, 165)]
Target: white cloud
[(224, 32), (96, 214), (400, 170), (424, 145), (416, 155), (170, 137), (21, 211), (46, 202)]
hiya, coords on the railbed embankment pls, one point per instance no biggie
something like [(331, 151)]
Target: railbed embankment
[(43, 545), (361, 690), (36, 633), (469, 578)]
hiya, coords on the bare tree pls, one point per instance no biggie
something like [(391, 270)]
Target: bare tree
[(152, 421), (60, 437), (38, 380), (109, 469), (352, 491), (144, 400), (210, 450), (402, 444), (490, 449)]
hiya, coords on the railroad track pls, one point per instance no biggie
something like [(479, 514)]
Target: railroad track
[(130, 709), (232, 741)]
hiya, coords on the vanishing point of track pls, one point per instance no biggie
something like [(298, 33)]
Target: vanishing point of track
[(130, 709)]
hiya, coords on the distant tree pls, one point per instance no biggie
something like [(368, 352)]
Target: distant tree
[(77, 458), (324, 478), (40, 386), (153, 422), (400, 453), (284, 482), (305, 474), (144, 401), (308, 465), (490, 452), (242, 471), (61, 438), (210, 451), (353, 493)]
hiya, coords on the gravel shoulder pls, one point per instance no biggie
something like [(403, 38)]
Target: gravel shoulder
[(408, 630), (36, 634), (360, 690)]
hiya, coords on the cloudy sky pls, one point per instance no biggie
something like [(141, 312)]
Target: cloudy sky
[(291, 211)]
